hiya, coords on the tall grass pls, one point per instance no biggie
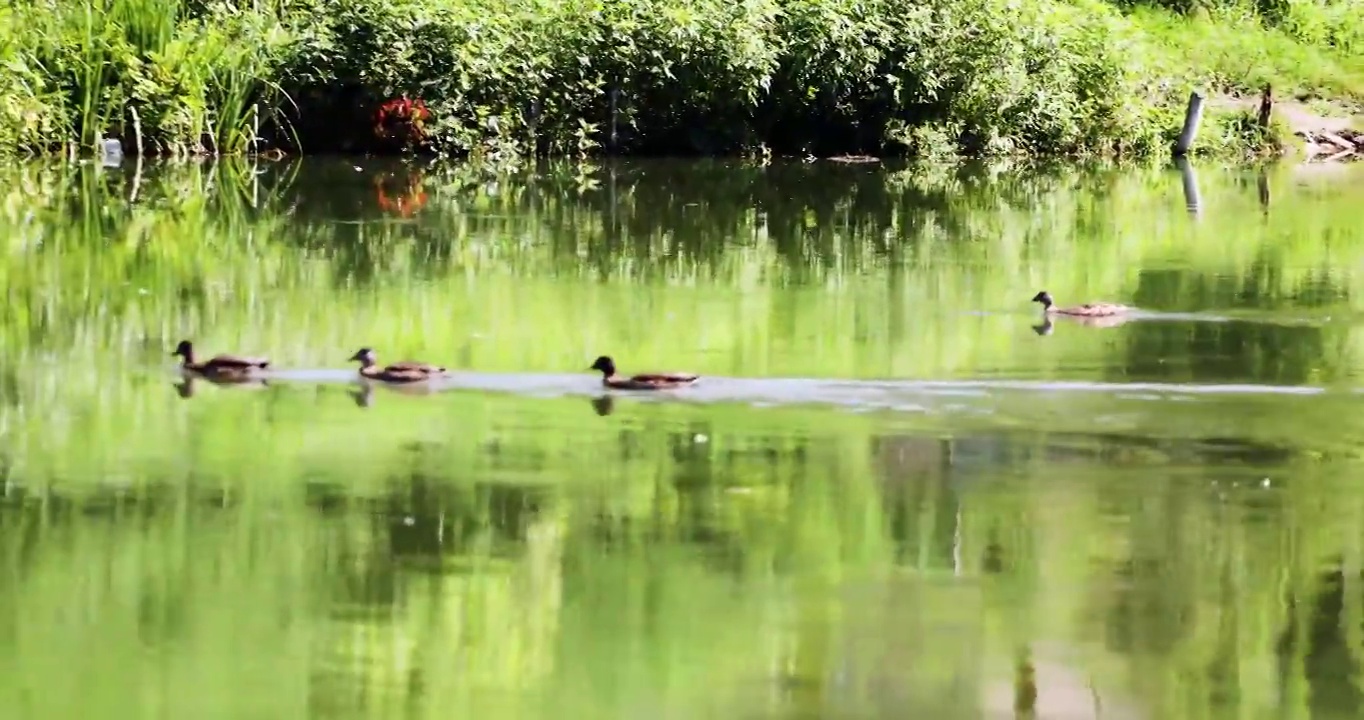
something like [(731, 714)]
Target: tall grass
[(514, 77), (163, 76)]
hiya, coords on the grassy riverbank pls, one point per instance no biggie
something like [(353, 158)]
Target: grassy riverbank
[(711, 76)]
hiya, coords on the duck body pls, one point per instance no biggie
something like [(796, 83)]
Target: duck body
[(220, 367), (1087, 310), (645, 381), (399, 372)]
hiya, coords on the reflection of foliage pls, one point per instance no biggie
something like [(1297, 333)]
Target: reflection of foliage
[(418, 550), (432, 533), (194, 237), (400, 194), (1318, 648)]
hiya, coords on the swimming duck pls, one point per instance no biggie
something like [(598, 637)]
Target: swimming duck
[(399, 372), (1086, 310), (219, 367), (647, 381)]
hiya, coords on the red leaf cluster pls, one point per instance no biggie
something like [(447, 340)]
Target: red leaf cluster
[(402, 119)]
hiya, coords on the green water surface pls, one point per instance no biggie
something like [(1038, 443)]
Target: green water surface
[(896, 493)]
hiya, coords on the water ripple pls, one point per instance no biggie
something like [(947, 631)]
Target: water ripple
[(906, 395)]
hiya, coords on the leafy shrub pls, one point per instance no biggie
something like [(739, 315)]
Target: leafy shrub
[(720, 76), (510, 78)]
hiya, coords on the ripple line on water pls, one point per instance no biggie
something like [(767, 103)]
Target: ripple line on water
[(719, 388)]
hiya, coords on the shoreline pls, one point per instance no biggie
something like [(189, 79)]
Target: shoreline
[(1323, 131), (1304, 153)]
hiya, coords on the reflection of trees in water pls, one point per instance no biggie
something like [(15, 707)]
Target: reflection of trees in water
[(809, 212), (402, 604), (649, 211), (1222, 352), (644, 210), (1149, 611), (1264, 286), (921, 508), (24, 522), (1245, 351), (9, 386), (442, 564), (47, 535), (443, 560), (715, 492), (1319, 649), (688, 497), (430, 521), (1176, 555), (965, 502), (979, 455), (878, 647)]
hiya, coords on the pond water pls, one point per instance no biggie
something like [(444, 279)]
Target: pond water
[(895, 492)]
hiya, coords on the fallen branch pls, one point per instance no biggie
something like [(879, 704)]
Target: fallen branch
[(1342, 145), (1339, 156), (1337, 140)]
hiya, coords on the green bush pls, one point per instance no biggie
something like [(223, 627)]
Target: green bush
[(713, 76), (514, 77)]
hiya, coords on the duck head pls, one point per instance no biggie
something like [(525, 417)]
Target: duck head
[(605, 365), (185, 350), (1043, 297), (365, 356)]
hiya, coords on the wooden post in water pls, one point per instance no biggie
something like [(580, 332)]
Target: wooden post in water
[(1025, 686), (137, 179), (613, 227), (532, 115), (957, 568), (1266, 106), (137, 130), (1193, 202), (255, 124), (1193, 115), (615, 110)]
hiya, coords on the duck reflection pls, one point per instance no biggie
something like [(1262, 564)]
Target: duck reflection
[(604, 405), (186, 387), (363, 395), (1047, 326)]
